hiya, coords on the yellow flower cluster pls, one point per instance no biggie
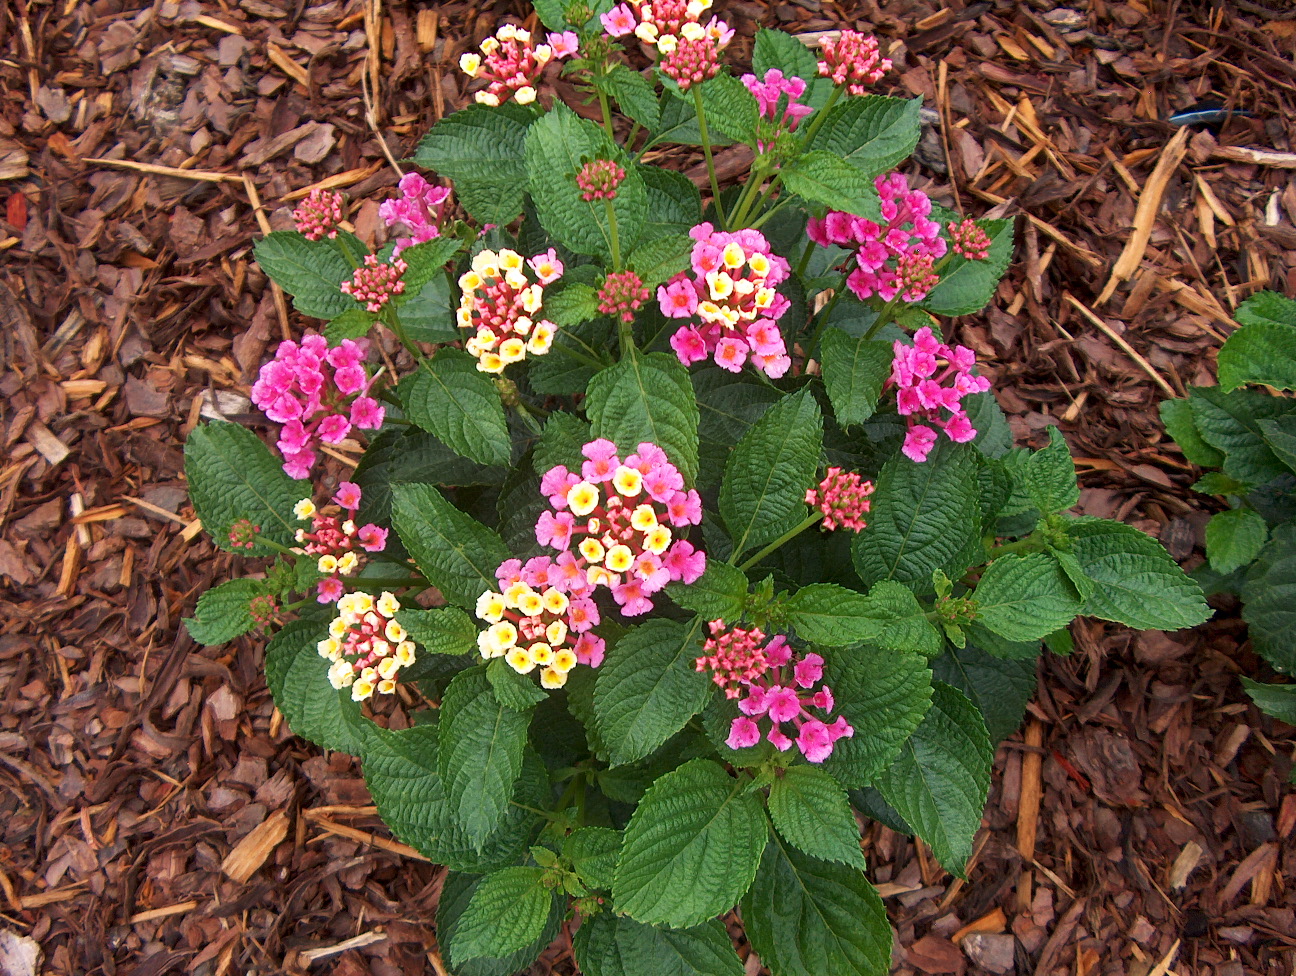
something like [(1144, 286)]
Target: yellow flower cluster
[(499, 305), (366, 645), (536, 636)]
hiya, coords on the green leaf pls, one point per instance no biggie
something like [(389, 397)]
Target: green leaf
[(222, 612), (1280, 434), (1218, 483), (810, 811), (730, 108), (924, 517), (513, 690), (658, 259), (1229, 422), (1269, 600), (1177, 415), (854, 370), (482, 150), (807, 917), (873, 133), (561, 441), (1050, 476), (999, 688), (426, 261), (310, 271), (557, 146), (1267, 307), (1025, 598), (232, 476), (884, 696), (507, 912), (728, 405), (410, 455), (450, 398), (718, 594), (634, 95), (1263, 350), (889, 616), (558, 374), (940, 782), (354, 323), (1276, 700), (613, 945), (428, 315), (674, 202), (772, 466), (456, 894), (593, 853), (648, 687), (1138, 584), (480, 757), (456, 553), (1234, 538), (647, 397), (691, 847), (571, 304), (679, 125), (821, 176), (966, 286), (298, 681), (778, 49)]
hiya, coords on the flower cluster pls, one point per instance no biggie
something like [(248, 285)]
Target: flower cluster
[(419, 209), (622, 294), (337, 543), (366, 645), (618, 516), (969, 240), (843, 497), (243, 533), (511, 63), (375, 283), (599, 179), (895, 258), (319, 215), (689, 50), (732, 291), (776, 685), (317, 393), (779, 99), (263, 608), (853, 60), (500, 306), (536, 622), (931, 379)]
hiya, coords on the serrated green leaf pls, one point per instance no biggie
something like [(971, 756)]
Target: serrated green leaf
[(310, 271), (507, 912), (873, 133), (771, 468), (512, 690), (354, 323), (1218, 483), (223, 611), (1177, 416), (438, 633), (854, 371), (232, 476), (298, 681), (561, 441), (1280, 434), (810, 811), (482, 150), (1234, 538), (571, 304), (781, 50), (426, 261), (940, 781), (480, 755), (634, 95), (888, 616), (884, 696), (730, 108), (1229, 422), (456, 893), (410, 455), (648, 687), (674, 202), (679, 125), (1024, 598), (1276, 700), (1138, 584), (807, 917), (612, 945), (658, 259), (1267, 307), (1263, 350), (718, 594), (456, 553), (728, 405), (821, 176), (428, 314), (1000, 688), (647, 397), (691, 847), (1050, 476), (450, 398), (966, 286), (593, 853), (558, 374), (1269, 600)]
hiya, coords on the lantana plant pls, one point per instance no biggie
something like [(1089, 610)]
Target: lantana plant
[(682, 537)]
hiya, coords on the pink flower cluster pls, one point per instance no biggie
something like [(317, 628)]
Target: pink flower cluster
[(316, 393), (511, 63), (366, 645), (778, 89), (618, 515), (931, 379), (375, 283), (319, 215), (895, 258), (779, 687), (853, 60), (689, 50), (419, 209), (843, 497), (599, 179), (263, 609), (335, 542), (732, 291), (969, 240), (622, 294), (243, 533), (500, 305)]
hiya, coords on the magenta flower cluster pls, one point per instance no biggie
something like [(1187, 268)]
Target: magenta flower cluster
[(931, 379), (775, 90), (318, 394), (418, 209), (844, 499), (622, 294), (732, 292), (853, 60), (617, 525), (894, 258), (319, 215), (776, 687), (599, 178)]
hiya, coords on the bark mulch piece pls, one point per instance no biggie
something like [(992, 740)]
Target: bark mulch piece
[(157, 816)]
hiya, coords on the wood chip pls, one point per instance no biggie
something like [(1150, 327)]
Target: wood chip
[(251, 852)]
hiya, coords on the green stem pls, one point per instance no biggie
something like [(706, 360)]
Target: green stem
[(1028, 544), (754, 206), (710, 160), (804, 263), (883, 317), (607, 111), (392, 320), (391, 582), (785, 537), (345, 245), (634, 131), (750, 191), (577, 355), (760, 221), (625, 336), (532, 424), (817, 122), (613, 239)]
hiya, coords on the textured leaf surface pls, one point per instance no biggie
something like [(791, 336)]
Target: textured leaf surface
[(999, 687), (441, 630), (940, 781), (647, 397), (854, 370), (658, 259), (613, 945), (1276, 700), (593, 852), (1024, 598), (718, 594), (888, 616), (1234, 538), (456, 893), (821, 176), (727, 407), (411, 456), (674, 203), (482, 150), (561, 441), (810, 811), (1269, 600), (634, 95), (456, 553), (507, 912), (966, 286), (453, 400), (1050, 476), (872, 133), (1177, 415), (222, 612), (310, 271), (730, 108), (1280, 434), (298, 680), (1263, 351), (1230, 423), (691, 848)]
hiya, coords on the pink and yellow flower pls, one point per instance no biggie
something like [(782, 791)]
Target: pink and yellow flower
[(502, 307)]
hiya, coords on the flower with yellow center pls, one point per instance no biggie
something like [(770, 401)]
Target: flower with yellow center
[(598, 576), (708, 311), (503, 633), (555, 601), (510, 260), (643, 518), (387, 686), (512, 350), (491, 363), (619, 559), (531, 605), (380, 647), (733, 255), (521, 325), (341, 674), (330, 648), (490, 607), (520, 661), (592, 550), (667, 43), (730, 316), (486, 338), (657, 540), (388, 667), (337, 627), (543, 53), (541, 653), (721, 285), (327, 564), (463, 315), (541, 340), (564, 661), (556, 632), (532, 299), (387, 604), (394, 632), (515, 279), (514, 593), (552, 678), (693, 32), (583, 498), (304, 509), (362, 689), (627, 481), (486, 264), (507, 32), (487, 98), (364, 602), (744, 287), (759, 263), (647, 33), (470, 281), (404, 653), (347, 563)]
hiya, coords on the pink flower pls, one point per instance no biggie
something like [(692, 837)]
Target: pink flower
[(329, 590), (563, 45), (555, 530), (589, 650), (684, 562), (689, 345), (582, 614), (367, 413), (299, 464), (347, 495), (780, 740), (743, 733), (730, 354), (918, 443), (843, 497), (814, 741), (372, 538), (334, 428), (809, 670), (959, 429), (631, 598), (685, 508), (782, 704), (677, 298), (619, 21), (350, 379), (546, 266), (374, 284)]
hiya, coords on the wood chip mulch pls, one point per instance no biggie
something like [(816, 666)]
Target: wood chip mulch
[(156, 816)]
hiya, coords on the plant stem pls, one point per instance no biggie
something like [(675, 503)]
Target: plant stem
[(821, 320), (822, 114), (804, 263), (785, 537), (759, 222), (532, 424), (634, 131), (1028, 544), (607, 111), (625, 336), (710, 160), (345, 245), (577, 355), (392, 582), (883, 317), (749, 191), (760, 201), (393, 322), (614, 240)]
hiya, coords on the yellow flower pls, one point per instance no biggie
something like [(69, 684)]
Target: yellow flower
[(388, 667), (386, 687), (541, 653), (721, 284), (644, 518), (647, 33), (490, 45), (304, 509), (507, 32), (486, 98), (693, 32), (667, 43), (531, 605), (542, 53), (619, 559), (486, 339), (513, 278), (520, 661), (330, 648), (362, 689), (708, 311), (592, 550), (387, 604), (564, 661), (337, 627), (555, 601), (486, 263), (521, 325), (490, 607), (552, 678), (327, 564), (598, 576), (541, 339), (503, 633), (583, 498), (627, 481), (512, 350), (759, 264), (514, 593), (532, 299), (470, 281), (394, 632), (362, 602), (657, 540), (348, 563), (733, 255), (491, 363), (510, 260), (470, 64), (556, 632), (404, 654)]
